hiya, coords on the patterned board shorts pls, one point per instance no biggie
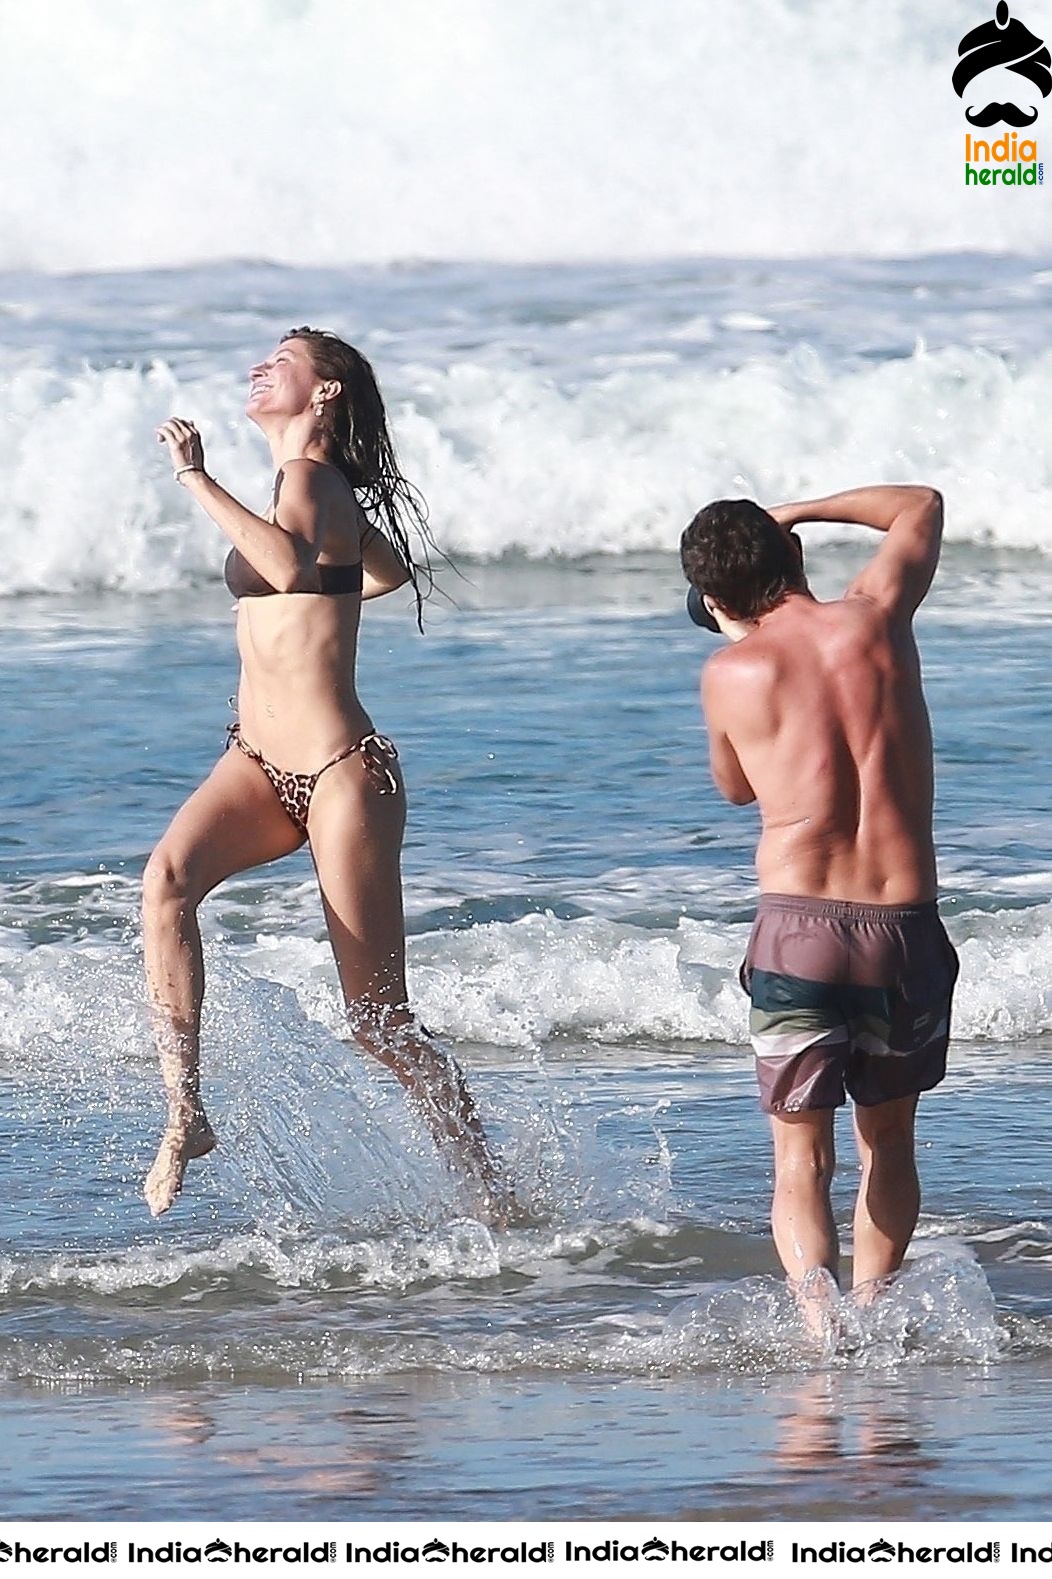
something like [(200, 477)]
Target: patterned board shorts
[(848, 999)]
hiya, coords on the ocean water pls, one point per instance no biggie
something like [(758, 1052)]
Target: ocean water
[(578, 900), (319, 1328)]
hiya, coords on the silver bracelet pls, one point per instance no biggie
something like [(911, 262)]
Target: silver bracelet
[(181, 469)]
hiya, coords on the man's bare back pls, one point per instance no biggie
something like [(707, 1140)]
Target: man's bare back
[(821, 709)]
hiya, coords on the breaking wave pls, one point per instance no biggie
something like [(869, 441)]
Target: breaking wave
[(765, 127), (513, 463)]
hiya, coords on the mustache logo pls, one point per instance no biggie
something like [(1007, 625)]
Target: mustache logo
[(1007, 44), (994, 112)]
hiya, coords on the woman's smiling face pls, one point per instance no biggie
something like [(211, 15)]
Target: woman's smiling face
[(283, 385)]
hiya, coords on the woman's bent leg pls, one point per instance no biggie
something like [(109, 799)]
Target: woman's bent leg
[(233, 822), (356, 840)]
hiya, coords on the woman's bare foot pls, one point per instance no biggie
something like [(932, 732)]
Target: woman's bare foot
[(496, 1204), (493, 1210), (187, 1136)]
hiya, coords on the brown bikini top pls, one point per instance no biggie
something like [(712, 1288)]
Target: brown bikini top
[(244, 582)]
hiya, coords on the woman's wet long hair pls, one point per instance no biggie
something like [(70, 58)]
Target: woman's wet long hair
[(362, 449)]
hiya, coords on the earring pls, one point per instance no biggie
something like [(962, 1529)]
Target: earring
[(319, 409)]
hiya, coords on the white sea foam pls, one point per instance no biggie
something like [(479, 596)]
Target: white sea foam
[(521, 983), (462, 1250), (512, 462), (1005, 988), (304, 132), (939, 1310), (508, 984), (517, 984)]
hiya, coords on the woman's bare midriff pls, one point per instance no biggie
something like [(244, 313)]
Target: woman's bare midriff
[(296, 699)]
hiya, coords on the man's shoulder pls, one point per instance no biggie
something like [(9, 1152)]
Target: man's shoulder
[(745, 664), (853, 615)]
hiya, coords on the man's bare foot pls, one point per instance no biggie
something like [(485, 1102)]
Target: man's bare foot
[(184, 1139), (817, 1298), (865, 1294)]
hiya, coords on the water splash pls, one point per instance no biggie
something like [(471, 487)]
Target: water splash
[(939, 1308)]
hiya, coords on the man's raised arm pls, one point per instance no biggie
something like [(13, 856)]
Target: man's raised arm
[(900, 573)]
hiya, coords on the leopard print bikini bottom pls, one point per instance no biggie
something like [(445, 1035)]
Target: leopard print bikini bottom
[(294, 790)]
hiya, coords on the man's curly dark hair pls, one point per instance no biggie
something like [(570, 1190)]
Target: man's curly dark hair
[(738, 555)]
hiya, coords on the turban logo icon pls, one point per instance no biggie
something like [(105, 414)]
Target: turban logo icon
[(991, 58)]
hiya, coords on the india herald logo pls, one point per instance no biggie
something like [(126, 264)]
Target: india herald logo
[(1003, 67)]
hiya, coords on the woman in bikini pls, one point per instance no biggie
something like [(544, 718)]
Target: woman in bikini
[(305, 765)]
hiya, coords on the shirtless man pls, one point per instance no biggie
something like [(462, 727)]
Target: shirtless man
[(816, 712)]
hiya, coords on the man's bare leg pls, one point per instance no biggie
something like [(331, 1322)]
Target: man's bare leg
[(889, 1193), (801, 1215), (805, 1234)]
